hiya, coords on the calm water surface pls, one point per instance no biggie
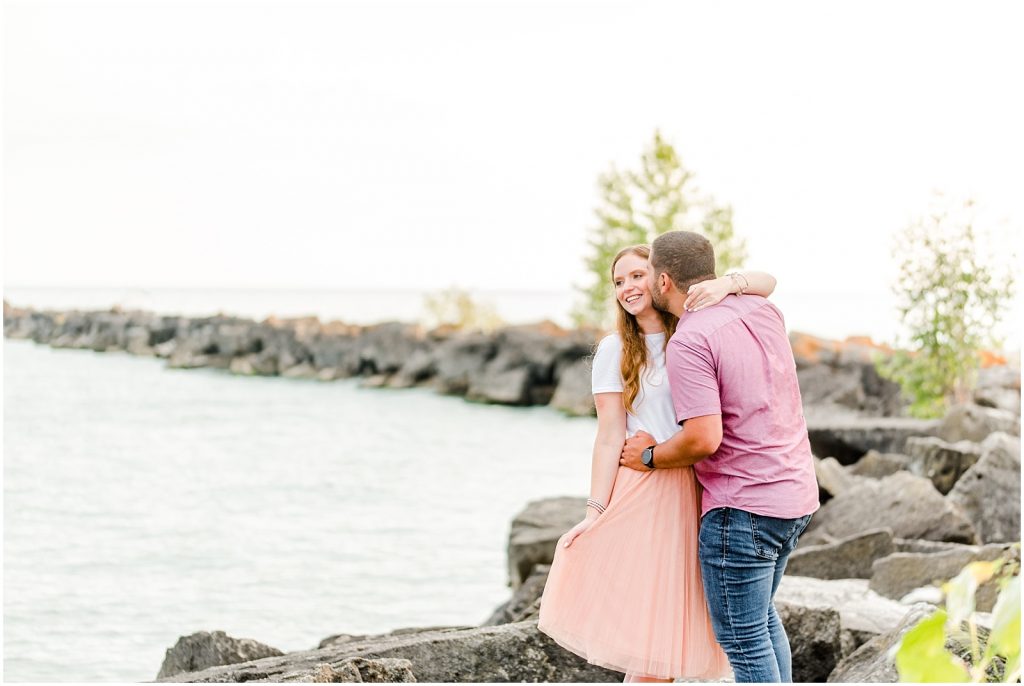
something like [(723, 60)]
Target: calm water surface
[(142, 504)]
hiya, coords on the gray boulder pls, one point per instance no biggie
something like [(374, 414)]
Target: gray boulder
[(975, 423), (535, 532), (863, 613), (876, 465), (205, 649), (814, 637), (941, 462), (416, 369), (848, 437), (849, 384), (917, 545), (849, 558), (461, 359), (525, 602), (871, 663), (988, 494), (522, 372), (573, 392), (506, 653), (361, 670), (907, 504), (833, 478), (1005, 399), (896, 575)]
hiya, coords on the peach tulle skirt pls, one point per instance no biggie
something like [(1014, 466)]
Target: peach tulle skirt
[(627, 594)]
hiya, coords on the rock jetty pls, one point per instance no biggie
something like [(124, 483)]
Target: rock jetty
[(539, 364)]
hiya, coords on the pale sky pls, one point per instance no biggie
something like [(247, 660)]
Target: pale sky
[(423, 145)]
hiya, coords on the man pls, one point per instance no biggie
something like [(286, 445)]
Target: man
[(735, 392)]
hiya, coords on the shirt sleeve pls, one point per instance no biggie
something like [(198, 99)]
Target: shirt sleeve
[(606, 375), (693, 379)]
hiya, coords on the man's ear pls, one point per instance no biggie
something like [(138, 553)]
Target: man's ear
[(664, 283)]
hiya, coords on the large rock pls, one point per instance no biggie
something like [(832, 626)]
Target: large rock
[(361, 670), (1004, 399), (896, 575), (461, 359), (975, 423), (989, 492), (814, 637), (852, 385), (847, 438), (506, 653), (863, 613), (871, 663), (573, 392), (525, 602), (833, 478), (535, 532), (941, 462), (876, 465), (908, 504), (522, 372), (999, 387), (205, 649), (849, 558)]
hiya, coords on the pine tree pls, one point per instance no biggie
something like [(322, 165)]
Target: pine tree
[(637, 207)]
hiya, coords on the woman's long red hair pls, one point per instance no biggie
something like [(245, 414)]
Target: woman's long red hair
[(634, 348)]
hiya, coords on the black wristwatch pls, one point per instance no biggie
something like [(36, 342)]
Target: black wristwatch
[(648, 456)]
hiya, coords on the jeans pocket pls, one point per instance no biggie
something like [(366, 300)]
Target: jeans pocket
[(712, 537), (772, 535)]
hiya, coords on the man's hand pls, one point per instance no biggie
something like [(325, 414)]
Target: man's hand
[(634, 448)]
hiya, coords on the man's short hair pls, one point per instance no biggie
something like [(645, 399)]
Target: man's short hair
[(685, 256)]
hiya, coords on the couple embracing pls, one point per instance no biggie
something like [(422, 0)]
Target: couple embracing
[(702, 478)]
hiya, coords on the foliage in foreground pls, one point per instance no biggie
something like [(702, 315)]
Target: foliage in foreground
[(923, 655)]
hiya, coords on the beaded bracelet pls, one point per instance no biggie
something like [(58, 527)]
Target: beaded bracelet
[(736, 276)]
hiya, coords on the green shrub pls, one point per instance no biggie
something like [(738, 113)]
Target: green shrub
[(457, 308), (950, 300)]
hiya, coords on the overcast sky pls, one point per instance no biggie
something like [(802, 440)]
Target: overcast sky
[(383, 145)]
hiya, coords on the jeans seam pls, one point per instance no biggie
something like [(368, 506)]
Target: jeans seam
[(725, 588)]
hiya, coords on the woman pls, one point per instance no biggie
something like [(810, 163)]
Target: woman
[(625, 589)]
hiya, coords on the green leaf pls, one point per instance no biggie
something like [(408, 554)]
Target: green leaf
[(960, 591), (1005, 636), (922, 656)]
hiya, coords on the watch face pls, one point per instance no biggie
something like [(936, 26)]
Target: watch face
[(647, 456)]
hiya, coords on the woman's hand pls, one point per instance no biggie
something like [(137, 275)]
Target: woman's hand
[(571, 535), (708, 293)]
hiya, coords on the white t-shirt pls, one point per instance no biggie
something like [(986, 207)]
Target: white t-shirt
[(652, 409)]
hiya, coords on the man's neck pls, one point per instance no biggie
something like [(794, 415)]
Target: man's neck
[(675, 306)]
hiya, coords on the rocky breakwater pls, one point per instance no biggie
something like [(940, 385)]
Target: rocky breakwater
[(538, 364), (523, 365)]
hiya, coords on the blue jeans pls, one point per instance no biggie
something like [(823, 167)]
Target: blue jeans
[(742, 558)]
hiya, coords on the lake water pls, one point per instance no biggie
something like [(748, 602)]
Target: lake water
[(142, 504)]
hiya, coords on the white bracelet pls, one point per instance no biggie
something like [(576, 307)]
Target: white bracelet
[(736, 276)]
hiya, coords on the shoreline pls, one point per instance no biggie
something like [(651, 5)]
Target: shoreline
[(518, 365)]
